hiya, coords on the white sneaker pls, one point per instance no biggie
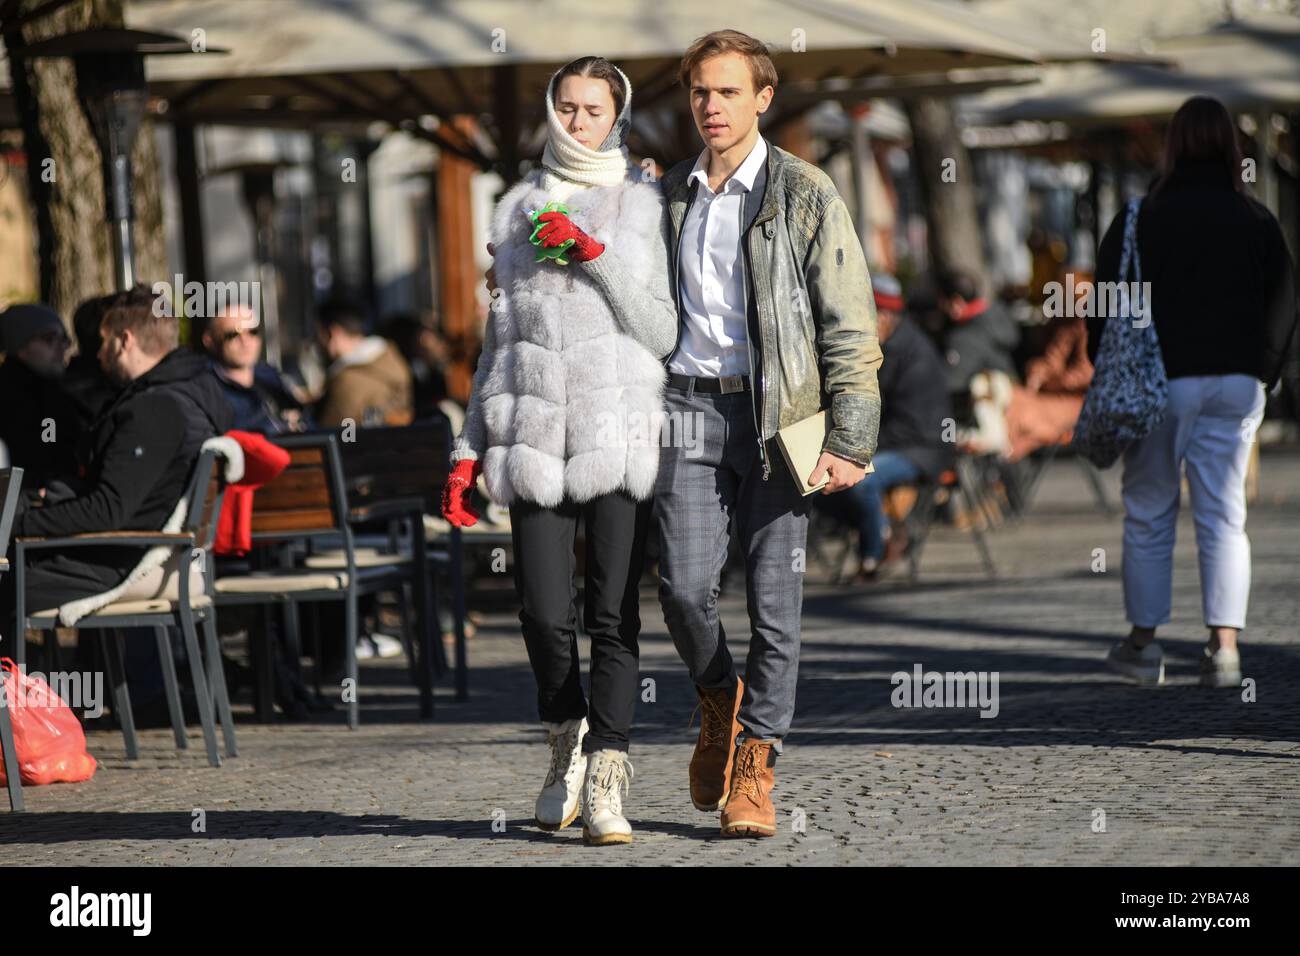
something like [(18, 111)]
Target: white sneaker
[(1146, 666), (386, 646), (558, 803), (609, 775), (365, 647), (1220, 669)]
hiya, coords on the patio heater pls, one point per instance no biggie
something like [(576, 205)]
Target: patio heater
[(112, 91)]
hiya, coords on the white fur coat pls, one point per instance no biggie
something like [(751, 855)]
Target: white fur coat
[(571, 405)]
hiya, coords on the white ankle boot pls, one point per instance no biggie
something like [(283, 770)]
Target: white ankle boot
[(558, 803), (609, 775)]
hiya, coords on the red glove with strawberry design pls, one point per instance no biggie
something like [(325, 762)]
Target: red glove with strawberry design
[(457, 506), (559, 229)]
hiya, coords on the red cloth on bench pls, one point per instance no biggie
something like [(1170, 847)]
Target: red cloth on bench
[(263, 462)]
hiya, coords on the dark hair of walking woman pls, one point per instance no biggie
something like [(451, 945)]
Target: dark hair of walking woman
[(1202, 132), (597, 68)]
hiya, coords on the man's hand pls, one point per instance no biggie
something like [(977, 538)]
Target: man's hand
[(843, 473)]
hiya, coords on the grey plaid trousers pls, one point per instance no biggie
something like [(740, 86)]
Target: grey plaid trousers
[(710, 474)]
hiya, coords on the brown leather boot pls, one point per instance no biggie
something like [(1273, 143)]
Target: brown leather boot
[(710, 770), (749, 811)]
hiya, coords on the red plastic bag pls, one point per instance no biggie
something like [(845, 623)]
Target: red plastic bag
[(48, 737)]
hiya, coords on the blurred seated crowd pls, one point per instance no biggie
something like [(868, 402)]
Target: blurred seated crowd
[(107, 441), (960, 376)]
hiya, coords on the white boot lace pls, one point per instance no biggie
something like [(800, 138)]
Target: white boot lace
[(562, 762), (610, 781)]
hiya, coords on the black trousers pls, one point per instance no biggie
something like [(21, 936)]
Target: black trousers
[(544, 553), (54, 579)]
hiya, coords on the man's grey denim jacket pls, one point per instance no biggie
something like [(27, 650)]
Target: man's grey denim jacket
[(811, 313)]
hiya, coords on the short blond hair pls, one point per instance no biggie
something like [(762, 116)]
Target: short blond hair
[(761, 67)]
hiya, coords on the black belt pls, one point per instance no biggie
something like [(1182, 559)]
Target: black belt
[(724, 385)]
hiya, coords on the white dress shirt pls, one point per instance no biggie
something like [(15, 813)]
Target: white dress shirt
[(714, 337)]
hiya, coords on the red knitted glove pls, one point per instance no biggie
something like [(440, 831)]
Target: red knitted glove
[(559, 229), (457, 507)]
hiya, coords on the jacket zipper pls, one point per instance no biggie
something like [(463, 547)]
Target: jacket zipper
[(756, 396), (677, 278)]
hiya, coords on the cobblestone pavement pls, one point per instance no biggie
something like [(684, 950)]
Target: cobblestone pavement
[(1183, 775)]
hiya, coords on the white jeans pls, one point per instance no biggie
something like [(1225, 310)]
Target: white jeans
[(1210, 425)]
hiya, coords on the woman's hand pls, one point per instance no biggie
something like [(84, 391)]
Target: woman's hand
[(457, 507), (559, 229)]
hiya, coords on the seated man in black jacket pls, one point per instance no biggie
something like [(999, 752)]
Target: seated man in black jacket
[(916, 428), (39, 421), (133, 466)]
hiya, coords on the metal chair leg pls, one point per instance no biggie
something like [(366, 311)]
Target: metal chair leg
[(9, 752), (316, 649), (424, 618), (921, 520), (121, 695), (406, 611), (202, 691), (980, 543), (350, 638), (217, 678), (174, 708)]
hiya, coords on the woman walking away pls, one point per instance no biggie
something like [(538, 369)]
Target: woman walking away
[(563, 423), (1223, 302)]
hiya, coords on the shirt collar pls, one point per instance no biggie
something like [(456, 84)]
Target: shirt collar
[(746, 173)]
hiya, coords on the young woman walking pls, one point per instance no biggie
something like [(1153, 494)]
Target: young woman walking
[(563, 423), (1223, 302)]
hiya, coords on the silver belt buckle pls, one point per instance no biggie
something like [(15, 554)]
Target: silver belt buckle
[(732, 383)]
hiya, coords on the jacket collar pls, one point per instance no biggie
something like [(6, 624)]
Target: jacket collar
[(678, 185), (368, 350), (746, 174)]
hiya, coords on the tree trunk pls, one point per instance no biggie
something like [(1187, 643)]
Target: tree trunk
[(64, 172), (947, 184)]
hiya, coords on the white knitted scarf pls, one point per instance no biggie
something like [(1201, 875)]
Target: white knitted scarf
[(569, 159)]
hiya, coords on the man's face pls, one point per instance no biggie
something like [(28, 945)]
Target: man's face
[(886, 322), (723, 100), (323, 340), (113, 354), (952, 307), (234, 339), (47, 353)]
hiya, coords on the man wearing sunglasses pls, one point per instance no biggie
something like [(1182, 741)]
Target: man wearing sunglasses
[(40, 425), (260, 398)]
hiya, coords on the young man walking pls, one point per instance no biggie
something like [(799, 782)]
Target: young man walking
[(776, 322)]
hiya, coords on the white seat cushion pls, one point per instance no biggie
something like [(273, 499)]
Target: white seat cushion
[(154, 606), (281, 582), (365, 557)]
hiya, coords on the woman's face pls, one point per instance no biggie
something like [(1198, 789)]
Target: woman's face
[(585, 107)]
